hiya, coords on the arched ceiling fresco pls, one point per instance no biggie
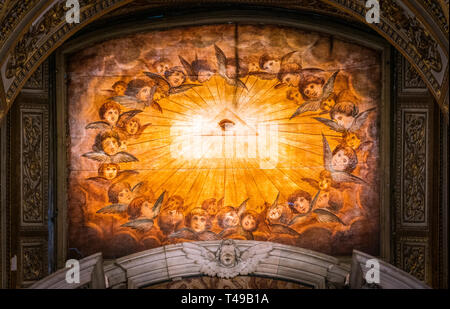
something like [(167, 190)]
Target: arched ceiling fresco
[(208, 132), (31, 30)]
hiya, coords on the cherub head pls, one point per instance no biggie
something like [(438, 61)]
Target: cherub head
[(108, 142), (120, 193), (269, 64), (351, 140), (131, 125), (328, 103), (140, 89), (228, 253), (141, 206), (175, 76), (299, 202), (161, 66), (119, 87), (249, 221), (211, 206), (174, 202), (227, 217), (293, 95), (290, 74), (311, 87), (203, 70), (110, 112), (277, 214), (198, 220), (344, 159), (329, 198), (170, 219), (344, 113), (108, 170), (325, 180)]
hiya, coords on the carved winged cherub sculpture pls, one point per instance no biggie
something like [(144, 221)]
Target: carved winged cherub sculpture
[(228, 261)]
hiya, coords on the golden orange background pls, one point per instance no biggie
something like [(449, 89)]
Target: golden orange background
[(170, 159)]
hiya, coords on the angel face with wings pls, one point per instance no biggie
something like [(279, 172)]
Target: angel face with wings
[(171, 220), (290, 74), (212, 206), (344, 159), (198, 220), (141, 207), (132, 127), (120, 193), (109, 112), (299, 202), (199, 70), (249, 221), (110, 173)]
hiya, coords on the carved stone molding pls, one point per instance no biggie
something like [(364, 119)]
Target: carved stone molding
[(33, 260), (398, 24), (38, 81), (34, 166), (412, 167), (413, 256), (409, 81)]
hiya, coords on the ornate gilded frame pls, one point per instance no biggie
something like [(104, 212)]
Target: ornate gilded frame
[(259, 16)]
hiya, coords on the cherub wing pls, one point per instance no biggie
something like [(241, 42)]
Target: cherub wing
[(189, 70), (182, 88), (156, 106), (240, 83), (97, 156), (128, 115), (308, 106), (251, 257), (185, 232), (346, 177), (123, 157), (283, 229), (126, 173), (221, 61), (287, 56), (220, 202), (98, 179), (313, 202), (127, 101), (202, 257), (102, 125), (331, 124), (208, 235), (327, 154), (113, 209), (263, 75), (157, 206), (242, 207), (314, 183), (143, 127), (360, 119), (275, 202), (159, 80), (324, 215), (137, 187), (329, 85), (141, 225)]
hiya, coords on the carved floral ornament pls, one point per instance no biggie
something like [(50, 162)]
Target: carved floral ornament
[(39, 38)]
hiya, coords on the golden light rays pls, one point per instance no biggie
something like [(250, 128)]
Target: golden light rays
[(257, 154)]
